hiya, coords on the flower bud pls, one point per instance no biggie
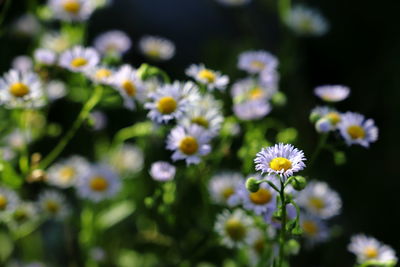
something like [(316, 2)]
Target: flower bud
[(323, 125), (314, 117), (252, 185), (298, 183), (292, 247), (279, 99)]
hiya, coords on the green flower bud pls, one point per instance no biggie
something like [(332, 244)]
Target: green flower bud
[(298, 183), (314, 117), (279, 99), (292, 247), (252, 184)]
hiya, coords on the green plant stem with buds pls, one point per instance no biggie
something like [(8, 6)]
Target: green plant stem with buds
[(321, 144), (282, 238), (83, 115)]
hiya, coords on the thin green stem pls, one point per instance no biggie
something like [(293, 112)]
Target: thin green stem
[(321, 144), (282, 238), (83, 115), (284, 7)]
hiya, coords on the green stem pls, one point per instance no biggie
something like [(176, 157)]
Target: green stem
[(282, 238), (321, 144), (284, 7), (83, 115)]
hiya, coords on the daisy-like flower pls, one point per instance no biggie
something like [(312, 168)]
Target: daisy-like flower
[(258, 244), (314, 229), (157, 48), (99, 120), (261, 202), (79, 59), (188, 143), (57, 42), (101, 75), (18, 139), (355, 129), (167, 103), (8, 201), (257, 61), (71, 10), (306, 21), (113, 42), (162, 171), (21, 89), (332, 93), (252, 90), (212, 79), (55, 89), (319, 200), (22, 63), (233, 2), (126, 160), (45, 56), (24, 211), (53, 204), (368, 249), (128, 83), (234, 228), (222, 186), (251, 110), (98, 184), (26, 25), (328, 113), (66, 173), (281, 159)]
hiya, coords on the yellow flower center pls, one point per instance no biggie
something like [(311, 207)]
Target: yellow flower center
[(370, 252), (259, 246), (72, 6), (78, 62), (227, 192), (261, 197), (52, 206), (207, 75), (98, 183), (317, 203), (279, 163), (200, 121), (102, 74), (67, 174), (258, 64), (256, 93), (19, 89), (356, 132), (188, 145), (166, 105), (333, 117), (310, 228), (235, 229), (154, 52), (129, 87), (20, 215), (3, 202)]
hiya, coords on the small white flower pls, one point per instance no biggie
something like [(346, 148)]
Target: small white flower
[(355, 129), (126, 159), (306, 21), (188, 143), (79, 59), (222, 186), (99, 120), (56, 89), (113, 42), (251, 110), (162, 171), (45, 56), (212, 79), (71, 10), (24, 211), (327, 114), (257, 61), (323, 125), (8, 201), (22, 63), (252, 90), (332, 93), (67, 172), (157, 48), (26, 25), (101, 75), (57, 42), (53, 204), (314, 229)]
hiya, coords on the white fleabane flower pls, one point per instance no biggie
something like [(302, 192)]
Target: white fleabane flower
[(314, 229), (66, 173), (126, 159), (17, 139), (55, 89), (45, 56), (21, 90), (56, 41), (251, 90), (251, 110), (233, 228), (257, 61), (258, 243), (212, 79), (368, 249), (157, 48), (167, 103), (223, 185), (128, 83), (24, 211), (319, 200), (306, 21), (332, 93), (53, 204), (233, 2), (281, 159), (162, 171), (356, 130), (8, 201), (26, 25), (79, 59), (99, 183), (327, 113), (22, 63), (71, 10), (112, 42), (101, 75), (99, 120), (188, 143)]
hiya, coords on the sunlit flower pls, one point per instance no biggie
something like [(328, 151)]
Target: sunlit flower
[(126, 159), (57, 42), (71, 10), (212, 79), (8, 201), (251, 90), (157, 48), (79, 59), (233, 2), (162, 171), (251, 110), (101, 75), (53, 204), (22, 63), (21, 89), (112, 42), (55, 89), (319, 200), (66, 173), (306, 21), (281, 159), (332, 93), (368, 249), (234, 228), (98, 183), (188, 143), (257, 61), (45, 56), (314, 229), (223, 185), (355, 129)]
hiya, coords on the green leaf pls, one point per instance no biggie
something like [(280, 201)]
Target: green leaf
[(9, 176), (6, 247), (117, 213)]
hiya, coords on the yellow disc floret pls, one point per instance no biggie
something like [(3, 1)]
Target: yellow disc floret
[(317, 203), (200, 121), (261, 197), (102, 74), (19, 89), (279, 163), (258, 64), (98, 183), (227, 192), (207, 75), (370, 252), (235, 229), (188, 145), (129, 87), (72, 6), (310, 228), (166, 105), (356, 132), (52, 206), (3, 202), (67, 173), (333, 117), (256, 93), (79, 62)]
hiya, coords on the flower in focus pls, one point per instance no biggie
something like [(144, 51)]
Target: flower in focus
[(281, 159), (306, 21), (79, 59), (355, 129), (222, 186), (212, 79), (126, 160), (257, 61), (332, 93), (53, 204), (188, 143), (157, 48), (162, 171), (66, 173), (368, 249), (71, 10), (113, 42)]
